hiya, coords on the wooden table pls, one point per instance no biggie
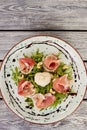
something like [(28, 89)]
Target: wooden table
[(66, 19)]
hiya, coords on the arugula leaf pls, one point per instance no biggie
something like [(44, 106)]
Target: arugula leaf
[(62, 71), (25, 55), (37, 56), (40, 89), (59, 53), (15, 74), (59, 98), (29, 102), (31, 75)]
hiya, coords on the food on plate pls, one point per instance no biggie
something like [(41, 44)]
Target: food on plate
[(45, 80), (26, 65), (51, 63), (25, 88), (44, 101), (62, 84)]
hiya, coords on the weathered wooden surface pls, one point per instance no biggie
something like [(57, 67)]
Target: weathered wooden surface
[(43, 14), (8, 120), (77, 39)]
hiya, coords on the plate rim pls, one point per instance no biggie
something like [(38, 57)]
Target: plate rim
[(71, 47)]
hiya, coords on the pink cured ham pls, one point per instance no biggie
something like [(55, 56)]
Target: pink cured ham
[(25, 88), (62, 84), (26, 65), (44, 101), (51, 63)]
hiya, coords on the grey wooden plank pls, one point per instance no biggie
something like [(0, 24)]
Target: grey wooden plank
[(9, 121), (43, 14), (77, 39)]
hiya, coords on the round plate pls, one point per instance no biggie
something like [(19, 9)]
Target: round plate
[(48, 45)]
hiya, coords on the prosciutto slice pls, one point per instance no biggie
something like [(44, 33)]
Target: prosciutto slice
[(26, 65), (51, 63), (25, 88), (44, 101), (62, 84)]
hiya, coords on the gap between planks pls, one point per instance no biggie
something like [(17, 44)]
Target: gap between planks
[(43, 30)]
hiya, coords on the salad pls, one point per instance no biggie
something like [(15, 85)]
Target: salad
[(43, 80)]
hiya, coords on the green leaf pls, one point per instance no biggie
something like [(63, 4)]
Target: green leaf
[(29, 102), (25, 55), (61, 71), (37, 56), (15, 74), (59, 54), (59, 98)]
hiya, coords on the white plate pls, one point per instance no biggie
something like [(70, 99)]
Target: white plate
[(47, 45)]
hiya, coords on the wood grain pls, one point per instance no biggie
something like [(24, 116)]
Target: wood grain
[(9, 121), (77, 39), (0, 90), (43, 14)]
